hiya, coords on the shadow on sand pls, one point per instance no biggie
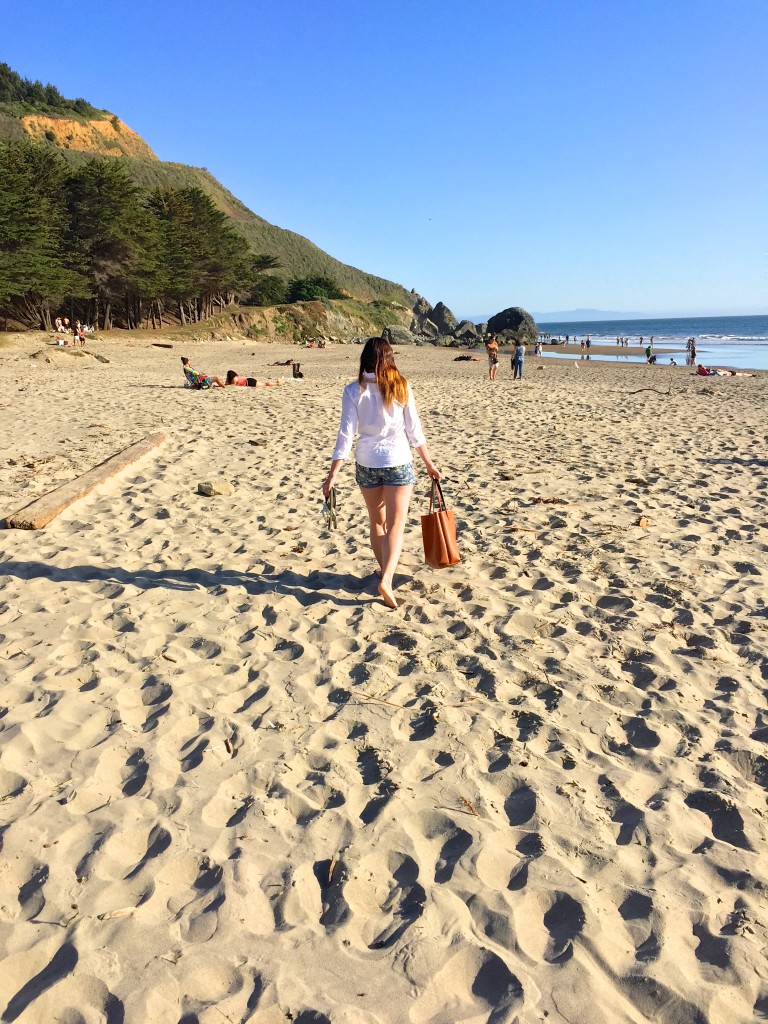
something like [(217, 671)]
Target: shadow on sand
[(308, 589)]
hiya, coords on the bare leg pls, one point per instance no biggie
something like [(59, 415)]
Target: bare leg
[(396, 502), (374, 500)]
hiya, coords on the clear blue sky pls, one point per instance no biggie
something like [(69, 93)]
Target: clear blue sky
[(551, 154)]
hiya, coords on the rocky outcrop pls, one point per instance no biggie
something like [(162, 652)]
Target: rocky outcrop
[(514, 324), (397, 335), (466, 331), (444, 319), (106, 137), (434, 324)]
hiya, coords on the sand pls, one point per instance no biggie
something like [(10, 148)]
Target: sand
[(235, 787)]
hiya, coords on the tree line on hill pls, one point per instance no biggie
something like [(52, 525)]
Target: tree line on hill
[(90, 243), (15, 89)]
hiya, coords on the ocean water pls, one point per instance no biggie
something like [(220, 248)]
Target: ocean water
[(740, 342)]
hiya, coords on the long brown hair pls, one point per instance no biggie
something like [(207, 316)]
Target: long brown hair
[(378, 358)]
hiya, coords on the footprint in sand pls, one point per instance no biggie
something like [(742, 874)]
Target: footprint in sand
[(656, 1002), (639, 735), (520, 805), (69, 993), (564, 921), (643, 925), (483, 989), (135, 773), (331, 876), (21, 888), (195, 910), (374, 771), (631, 818), (727, 822)]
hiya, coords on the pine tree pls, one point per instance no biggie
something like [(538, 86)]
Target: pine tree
[(35, 271)]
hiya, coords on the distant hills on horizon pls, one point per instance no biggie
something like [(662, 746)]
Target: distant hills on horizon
[(596, 315), (568, 315)]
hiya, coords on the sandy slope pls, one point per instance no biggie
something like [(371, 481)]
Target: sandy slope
[(235, 787)]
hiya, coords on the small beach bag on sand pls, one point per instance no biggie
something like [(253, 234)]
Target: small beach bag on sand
[(438, 532)]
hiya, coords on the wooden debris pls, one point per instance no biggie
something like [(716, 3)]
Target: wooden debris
[(41, 511), (470, 805), (123, 912), (211, 487)]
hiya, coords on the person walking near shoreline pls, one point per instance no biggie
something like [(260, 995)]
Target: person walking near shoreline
[(379, 408)]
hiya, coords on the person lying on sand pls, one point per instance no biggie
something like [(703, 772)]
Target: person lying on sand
[(285, 362), (249, 382), (708, 371), (199, 381), (467, 359)]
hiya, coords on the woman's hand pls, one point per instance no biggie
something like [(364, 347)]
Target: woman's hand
[(433, 471), (330, 480)]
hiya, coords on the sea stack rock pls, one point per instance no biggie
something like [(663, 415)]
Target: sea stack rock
[(514, 324), (466, 331), (444, 320)]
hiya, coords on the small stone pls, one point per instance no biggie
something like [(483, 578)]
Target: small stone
[(211, 487)]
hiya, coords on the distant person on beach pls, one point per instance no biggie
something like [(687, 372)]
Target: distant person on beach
[(492, 348), (379, 408), (236, 380), (517, 360), (199, 381)]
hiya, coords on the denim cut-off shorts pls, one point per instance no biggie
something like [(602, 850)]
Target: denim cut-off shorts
[(389, 476)]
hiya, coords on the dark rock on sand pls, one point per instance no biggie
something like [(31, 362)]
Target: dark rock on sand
[(513, 324), (443, 319), (397, 335)]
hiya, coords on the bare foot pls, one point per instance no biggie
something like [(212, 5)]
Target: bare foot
[(387, 594)]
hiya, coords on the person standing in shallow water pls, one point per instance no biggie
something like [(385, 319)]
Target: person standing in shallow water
[(380, 409)]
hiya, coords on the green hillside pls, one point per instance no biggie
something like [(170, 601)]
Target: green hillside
[(77, 131), (297, 255)]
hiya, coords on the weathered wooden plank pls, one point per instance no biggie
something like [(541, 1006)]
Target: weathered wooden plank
[(40, 512)]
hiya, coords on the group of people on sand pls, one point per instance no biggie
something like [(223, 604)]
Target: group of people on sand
[(518, 358), (67, 334), (202, 381)]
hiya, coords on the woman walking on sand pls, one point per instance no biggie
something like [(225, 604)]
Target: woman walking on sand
[(380, 409)]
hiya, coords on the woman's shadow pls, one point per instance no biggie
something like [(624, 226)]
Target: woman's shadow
[(308, 589)]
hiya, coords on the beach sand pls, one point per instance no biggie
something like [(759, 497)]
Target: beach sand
[(234, 786)]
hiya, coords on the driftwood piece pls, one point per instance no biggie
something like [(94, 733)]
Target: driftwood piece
[(41, 511)]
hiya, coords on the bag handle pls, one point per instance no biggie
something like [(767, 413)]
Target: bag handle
[(437, 489)]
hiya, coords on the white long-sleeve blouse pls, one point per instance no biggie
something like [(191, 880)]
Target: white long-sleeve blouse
[(385, 436)]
